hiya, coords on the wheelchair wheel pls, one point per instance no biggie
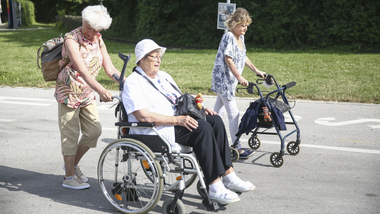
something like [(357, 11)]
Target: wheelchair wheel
[(179, 208), (254, 142), (292, 148), (122, 179), (171, 177), (276, 160), (234, 154)]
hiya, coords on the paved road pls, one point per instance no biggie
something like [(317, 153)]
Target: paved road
[(336, 171)]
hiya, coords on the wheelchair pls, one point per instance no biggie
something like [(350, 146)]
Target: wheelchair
[(134, 170)]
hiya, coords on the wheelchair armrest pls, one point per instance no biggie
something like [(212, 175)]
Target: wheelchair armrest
[(135, 124)]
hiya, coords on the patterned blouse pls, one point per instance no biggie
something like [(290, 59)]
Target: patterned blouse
[(223, 80), (71, 89)]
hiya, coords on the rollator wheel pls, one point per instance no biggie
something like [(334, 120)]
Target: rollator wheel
[(276, 160), (292, 148), (254, 142), (234, 154), (122, 178), (179, 208), (200, 192)]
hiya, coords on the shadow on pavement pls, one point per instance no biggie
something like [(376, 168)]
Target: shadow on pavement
[(50, 186)]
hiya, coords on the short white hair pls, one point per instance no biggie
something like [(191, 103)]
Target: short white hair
[(97, 17)]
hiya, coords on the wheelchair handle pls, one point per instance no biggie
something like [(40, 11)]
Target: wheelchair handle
[(120, 79), (117, 78), (113, 97), (116, 97)]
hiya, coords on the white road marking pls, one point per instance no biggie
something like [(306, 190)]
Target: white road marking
[(335, 148), (7, 120), (25, 101), (325, 122), (28, 99), (344, 149)]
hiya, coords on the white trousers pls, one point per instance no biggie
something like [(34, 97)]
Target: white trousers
[(223, 105)]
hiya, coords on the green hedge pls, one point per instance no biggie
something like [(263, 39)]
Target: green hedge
[(352, 25), (27, 12), (349, 25), (169, 22), (46, 10)]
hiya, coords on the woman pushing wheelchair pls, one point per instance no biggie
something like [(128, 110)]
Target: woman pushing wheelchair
[(145, 103)]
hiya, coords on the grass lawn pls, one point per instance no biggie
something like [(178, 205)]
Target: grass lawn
[(344, 77)]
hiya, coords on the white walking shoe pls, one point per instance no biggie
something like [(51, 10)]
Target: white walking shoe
[(224, 196), (239, 186)]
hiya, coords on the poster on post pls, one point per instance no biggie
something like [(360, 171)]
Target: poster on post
[(225, 10)]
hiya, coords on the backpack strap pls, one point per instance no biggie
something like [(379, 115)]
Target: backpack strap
[(39, 57), (67, 61)]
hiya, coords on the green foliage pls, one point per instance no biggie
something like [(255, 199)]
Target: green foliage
[(169, 22), (59, 23), (352, 25), (47, 10), (27, 12), (347, 25), (344, 25), (319, 75)]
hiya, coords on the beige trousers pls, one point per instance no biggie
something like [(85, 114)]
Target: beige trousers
[(73, 121)]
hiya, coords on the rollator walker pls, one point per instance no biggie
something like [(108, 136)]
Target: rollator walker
[(265, 114)]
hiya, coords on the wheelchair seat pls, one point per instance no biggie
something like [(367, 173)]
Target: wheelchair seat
[(154, 142)]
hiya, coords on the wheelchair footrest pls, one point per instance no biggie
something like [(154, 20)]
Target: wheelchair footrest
[(210, 206)]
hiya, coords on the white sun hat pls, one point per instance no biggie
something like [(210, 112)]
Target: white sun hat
[(146, 46)]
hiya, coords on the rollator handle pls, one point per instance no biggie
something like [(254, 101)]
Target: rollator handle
[(289, 85)]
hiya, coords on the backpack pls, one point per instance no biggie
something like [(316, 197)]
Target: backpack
[(48, 59)]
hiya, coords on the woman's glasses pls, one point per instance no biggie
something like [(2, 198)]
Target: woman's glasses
[(156, 57)]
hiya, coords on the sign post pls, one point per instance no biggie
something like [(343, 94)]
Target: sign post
[(225, 10), (1, 10)]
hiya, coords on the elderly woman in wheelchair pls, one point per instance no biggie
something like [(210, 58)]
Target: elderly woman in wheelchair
[(130, 169)]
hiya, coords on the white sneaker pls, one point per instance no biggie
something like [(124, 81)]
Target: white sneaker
[(239, 186), (224, 197), (79, 173), (75, 183)]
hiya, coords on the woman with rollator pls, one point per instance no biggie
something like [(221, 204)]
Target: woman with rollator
[(144, 103)]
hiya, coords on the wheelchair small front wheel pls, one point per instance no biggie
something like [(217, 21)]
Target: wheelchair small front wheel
[(200, 191), (234, 154), (179, 207)]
